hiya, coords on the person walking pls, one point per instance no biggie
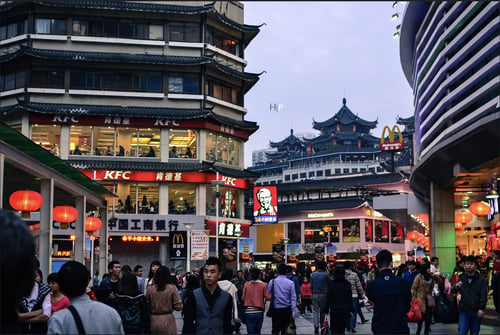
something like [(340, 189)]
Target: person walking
[(153, 267), (226, 285), (411, 273), (58, 300), (390, 298), (208, 309), (357, 292), (163, 298), (421, 288), (141, 282), (319, 288), (306, 296), (239, 282), (131, 304), (96, 317), (473, 291), (254, 295), (109, 286), (285, 301), (339, 301)]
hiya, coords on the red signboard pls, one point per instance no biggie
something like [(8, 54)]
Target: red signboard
[(265, 201), (231, 229), (392, 144)]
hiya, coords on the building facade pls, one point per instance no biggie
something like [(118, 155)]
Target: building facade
[(450, 55), (147, 98)]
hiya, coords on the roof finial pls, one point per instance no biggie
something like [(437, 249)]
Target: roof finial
[(291, 131), (344, 101)]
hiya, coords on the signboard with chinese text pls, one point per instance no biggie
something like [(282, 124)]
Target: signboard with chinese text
[(178, 245), (199, 245), (246, 248), (229, 228), (265, 204), (392, 144), (292, 253), (155, 224)]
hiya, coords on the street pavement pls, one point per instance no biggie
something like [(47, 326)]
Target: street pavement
[(304, 323)]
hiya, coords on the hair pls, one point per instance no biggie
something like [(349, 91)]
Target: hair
[(17, 250), (254, 273), (128, 284), (112, 264), (433, 259), (289, 269), (137, 267), (126, 268), (192, 282), (73, 278), (470, 259), (40, 273), (321, 265), (214, 261), (162, 278), (53, 278), (227, 274), (348, 265), (155, 262), (339, 272), (384, 258), (412, 263), (282, 268)]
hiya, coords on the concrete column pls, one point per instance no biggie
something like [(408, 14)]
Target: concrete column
[(201, 199), (64, 141), (442, 227), (80, 229), (103, 243), (163, 199), (362, 231), (2, 178), (45, 239), (164, 140), (163, 250)]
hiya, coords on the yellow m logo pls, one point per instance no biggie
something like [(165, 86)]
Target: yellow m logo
[(392, 144)]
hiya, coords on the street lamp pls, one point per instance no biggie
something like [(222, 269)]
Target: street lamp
[(217, 183), (188, 260), (285, 240)]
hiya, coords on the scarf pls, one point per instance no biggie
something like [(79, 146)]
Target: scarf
[(24, 304)]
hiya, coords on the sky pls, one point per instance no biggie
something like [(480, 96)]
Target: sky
[(315, 53)]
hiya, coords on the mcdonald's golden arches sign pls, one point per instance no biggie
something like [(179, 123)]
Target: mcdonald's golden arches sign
[(392, 144)]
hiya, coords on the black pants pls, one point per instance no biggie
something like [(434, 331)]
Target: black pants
[(426, 319), (339, 321), (281, 320)]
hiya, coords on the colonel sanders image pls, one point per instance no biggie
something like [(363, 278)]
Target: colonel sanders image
[(264, 198), (228, 209)]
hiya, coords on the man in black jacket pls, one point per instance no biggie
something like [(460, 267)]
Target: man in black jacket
[(473, 290)]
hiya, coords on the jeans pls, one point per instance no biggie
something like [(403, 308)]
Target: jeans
[(468, 320), (318, 302), (355, 305), (254, 322)]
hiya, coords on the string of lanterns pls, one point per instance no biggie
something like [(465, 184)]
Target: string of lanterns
[(418, 237)]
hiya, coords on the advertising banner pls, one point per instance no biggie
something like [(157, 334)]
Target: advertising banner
[(199, 245), (292, 253), (319, 252), (331, 252), (246, 248), (229, 250), (265, 201), (278, 253), (178, 245)]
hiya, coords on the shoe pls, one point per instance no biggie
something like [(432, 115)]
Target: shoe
[(365, 321), (316, 330), (353, 330)]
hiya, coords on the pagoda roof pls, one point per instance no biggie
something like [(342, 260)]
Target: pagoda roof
[(405, 121), (290, 140), (343, 136), (344, 116)]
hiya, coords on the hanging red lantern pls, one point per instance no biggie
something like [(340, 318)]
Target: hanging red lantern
[(479, 208), (412, 235), (421, 238), (459, 225), (26, 201), (463, 217), (92, 224), (64, 215)]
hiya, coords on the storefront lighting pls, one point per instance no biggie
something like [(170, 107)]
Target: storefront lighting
[(463, 217), (64, 215), (26, 201), (479, 208)]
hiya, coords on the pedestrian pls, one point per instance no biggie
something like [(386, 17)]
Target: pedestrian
[(208, 309), (390, 298), (17, 250), (421, 288), (357, 292), (435, 266), (192, 283), (141, 283), (163, 298), (58, 300), (226, 285), (132, 306), (306, 296), (411, 273), (339, 301), (109, 287), (153, 267), (239, 283), (473, 291), (285, 301), (290, 275), (96, 317), (319, 288), (254, 296)]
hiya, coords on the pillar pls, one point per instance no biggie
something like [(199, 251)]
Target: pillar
[(45, 239), (80, 229), (442, 227), (103, 242)]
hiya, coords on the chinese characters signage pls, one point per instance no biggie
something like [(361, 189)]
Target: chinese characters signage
[(150, 223), (199, 245), (178, 245)]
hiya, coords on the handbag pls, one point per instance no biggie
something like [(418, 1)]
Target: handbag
[(271, 305), (292, 328), (415, 314), (431, 303), (325, 329)]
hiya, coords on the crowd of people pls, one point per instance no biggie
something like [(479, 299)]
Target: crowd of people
[(213, 300)]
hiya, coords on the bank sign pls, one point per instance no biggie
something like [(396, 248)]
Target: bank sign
[(127, 224)]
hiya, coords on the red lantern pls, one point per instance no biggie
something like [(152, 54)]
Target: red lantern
[(421, 238), (463, 217), (92, 224), (412, 235), (64, 215), (26, 201), (479, 208)]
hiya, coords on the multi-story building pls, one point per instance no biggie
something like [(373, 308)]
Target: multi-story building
[(450, 54), (145, 97)]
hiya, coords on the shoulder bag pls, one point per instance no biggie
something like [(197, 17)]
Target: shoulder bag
[(78, 320), (271, 305)]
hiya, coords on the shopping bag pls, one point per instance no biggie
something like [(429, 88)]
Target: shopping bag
[(325, 329), (431, 303), (292, 329), (415, 314)]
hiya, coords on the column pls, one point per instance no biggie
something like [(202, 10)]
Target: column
[(45, 247), (80, 229), (442, 227), (103, 242)]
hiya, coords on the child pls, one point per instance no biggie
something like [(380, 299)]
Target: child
[(306, 296)]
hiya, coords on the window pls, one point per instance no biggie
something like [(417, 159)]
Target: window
[(315, 231), (222, 41), (346, 170), (220, 90), (182, 143), (50, 26), (311, 174), (328, 172), (303, 175), (47, 136), (319, 173), (12, 80), (185, 32), (294, 232), (184, 83), (13, 29), (369, 230), (350, 230), (287, 177), (222, 148), (381, 231), (47, 78), (120, 29), (80, 142), (295, 176), (149, 81), (181, 198)]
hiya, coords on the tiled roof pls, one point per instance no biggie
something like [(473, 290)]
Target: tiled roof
[(249, 125), (344, 116), (291, 140), (407, 120), (249, 79)]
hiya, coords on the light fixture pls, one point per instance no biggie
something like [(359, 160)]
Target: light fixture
[(395, 16), (394, 4), (479, 208), (492, 194), (396, 35)]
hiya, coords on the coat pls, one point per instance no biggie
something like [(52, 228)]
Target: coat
[(420, 289)]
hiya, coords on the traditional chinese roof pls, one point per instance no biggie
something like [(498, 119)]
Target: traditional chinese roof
[(405, 121), (290, 141), (248, 31), (344, 116), (138, 111)]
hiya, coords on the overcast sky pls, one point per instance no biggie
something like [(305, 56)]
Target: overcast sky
[(314, 55)]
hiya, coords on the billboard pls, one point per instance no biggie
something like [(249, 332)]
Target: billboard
[(178, 245), (199, 245), (393, 143), (265, 204), (245, 248), (292, 253)]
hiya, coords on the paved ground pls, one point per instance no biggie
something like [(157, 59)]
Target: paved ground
[(490, 325)]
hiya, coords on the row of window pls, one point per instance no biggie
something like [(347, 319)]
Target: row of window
[(328, 172), (122, 80), (98, 27), (137, 142)]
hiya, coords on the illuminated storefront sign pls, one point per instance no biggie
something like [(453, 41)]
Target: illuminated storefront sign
[(150, 223), (178, 245), (319, 215), (392, 144), (140, 238), (229, 229), (161, 176), (265, 209)]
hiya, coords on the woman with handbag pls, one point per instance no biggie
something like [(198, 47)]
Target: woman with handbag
[(254, 296), (421, 290)]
